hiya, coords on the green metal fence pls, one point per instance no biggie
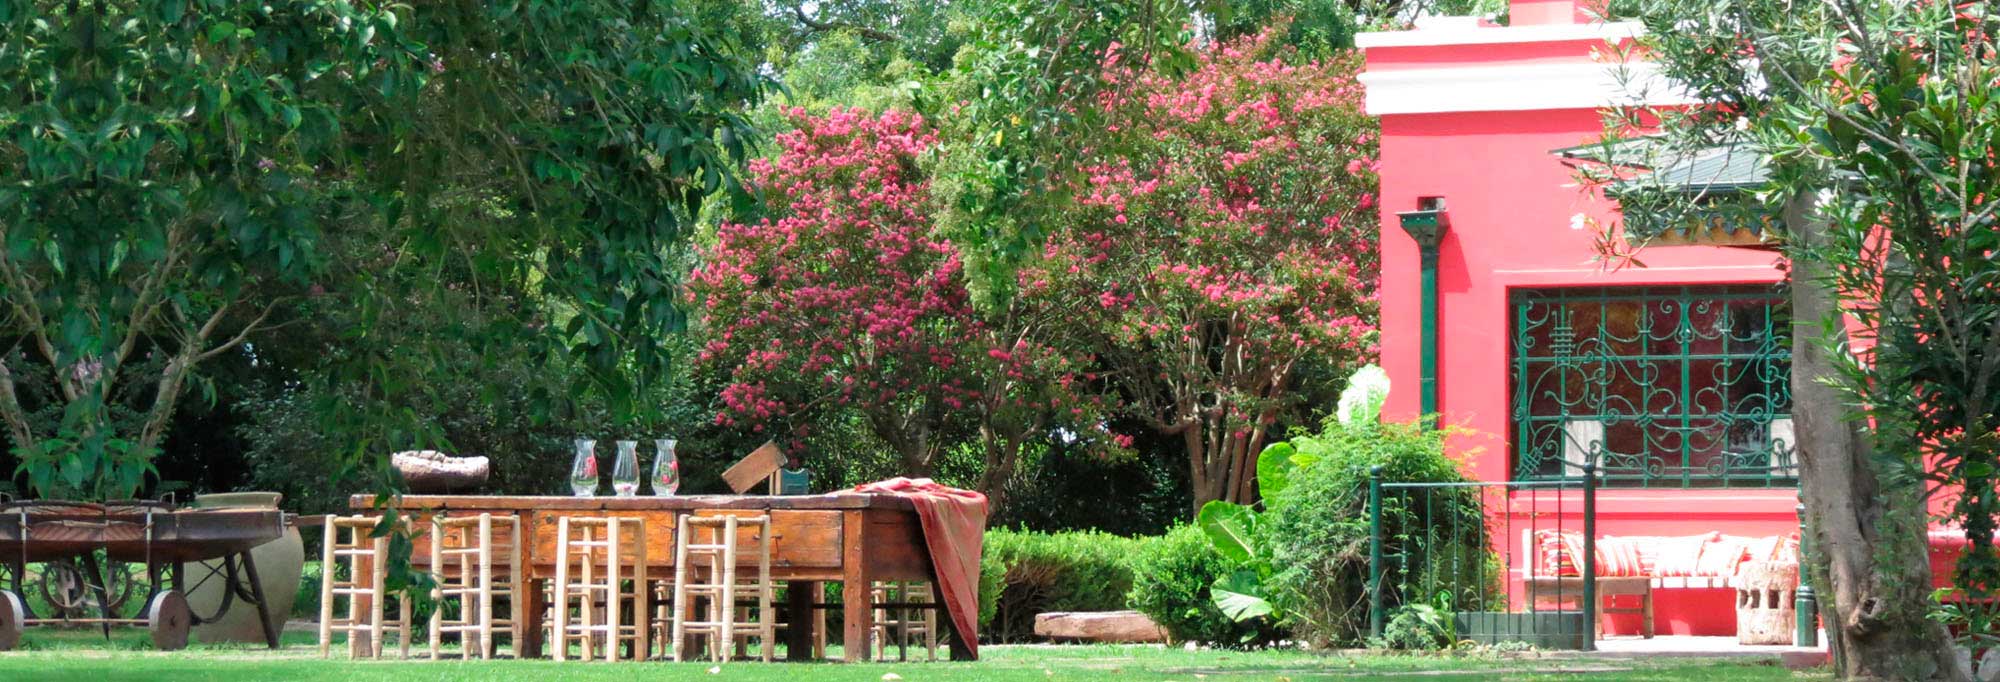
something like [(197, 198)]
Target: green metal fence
[(1685, 386), (1464, 559)]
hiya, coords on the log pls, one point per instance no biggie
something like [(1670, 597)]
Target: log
[(430, 471), (1117, 627)]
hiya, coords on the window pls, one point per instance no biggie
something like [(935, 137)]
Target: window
[(1659, 386)]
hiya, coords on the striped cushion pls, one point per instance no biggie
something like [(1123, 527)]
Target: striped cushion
[(1619, 557), (1557, 553), (1720, 557)]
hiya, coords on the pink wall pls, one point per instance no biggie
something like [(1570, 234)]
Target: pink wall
[(1511, 204)]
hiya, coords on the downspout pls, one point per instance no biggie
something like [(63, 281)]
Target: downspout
[(1427, 226)]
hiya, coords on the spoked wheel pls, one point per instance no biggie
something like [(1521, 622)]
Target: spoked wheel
[(13, 619), (169, 619)]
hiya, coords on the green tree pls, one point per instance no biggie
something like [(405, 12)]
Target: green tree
[(1873, 130), (174, 169)]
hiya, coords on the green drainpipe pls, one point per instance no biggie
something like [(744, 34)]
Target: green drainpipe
[(1427, 227)]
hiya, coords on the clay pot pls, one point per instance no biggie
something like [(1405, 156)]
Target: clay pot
[(280, 566)]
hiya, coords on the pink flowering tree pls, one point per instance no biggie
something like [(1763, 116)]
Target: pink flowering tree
[(1224, 238), (843, 302)]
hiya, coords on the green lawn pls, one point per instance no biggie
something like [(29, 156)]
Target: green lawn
[(76, 657)]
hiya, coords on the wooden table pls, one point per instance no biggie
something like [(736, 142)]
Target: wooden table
[(856, 539)]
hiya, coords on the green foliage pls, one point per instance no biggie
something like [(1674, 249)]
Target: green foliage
[(178, 177), (1316, 29), (1044, 572), (1416, 627), (1318, 531), (1172, 579), (1020, 95)]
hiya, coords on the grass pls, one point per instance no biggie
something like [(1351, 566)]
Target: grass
[(52, 656)]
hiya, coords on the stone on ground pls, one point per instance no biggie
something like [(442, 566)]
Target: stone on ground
[(1099, 626)]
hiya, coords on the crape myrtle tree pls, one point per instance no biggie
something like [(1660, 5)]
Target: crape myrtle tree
[(1222, 239), (842, 299), (172, 171), (1877, 122)]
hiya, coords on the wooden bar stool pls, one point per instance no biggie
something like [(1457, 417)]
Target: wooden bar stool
[(591, 555), (463, 558), (347, 548), (906, 610), (705, 564)]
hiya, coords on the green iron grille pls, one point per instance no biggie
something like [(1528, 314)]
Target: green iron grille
[(1659, 386)]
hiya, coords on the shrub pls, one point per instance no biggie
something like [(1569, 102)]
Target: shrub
[(1043, 572), (1171, 576), (1318, 530)]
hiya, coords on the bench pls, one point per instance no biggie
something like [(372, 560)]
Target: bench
[(1637, 566)]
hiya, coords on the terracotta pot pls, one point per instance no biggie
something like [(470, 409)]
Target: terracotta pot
[(280, 565)]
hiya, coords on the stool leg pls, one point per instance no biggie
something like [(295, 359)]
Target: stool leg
[(680, 605), (377, 594), (485, 586), (767, 626), (642, 596), (559, 606), (327, 561), (613, 606), (403, 607), (729, 588), (517, 595), (440, 574)]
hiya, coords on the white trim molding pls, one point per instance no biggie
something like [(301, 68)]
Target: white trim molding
[(1521, 87), (1469, 33)]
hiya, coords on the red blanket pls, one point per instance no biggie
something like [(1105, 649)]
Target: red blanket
[(954, 524)]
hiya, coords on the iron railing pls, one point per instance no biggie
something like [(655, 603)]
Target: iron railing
[(1681, 386), (1470, 553)]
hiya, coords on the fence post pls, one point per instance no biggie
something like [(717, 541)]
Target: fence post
[(1589, 556), (1804, 602), (1375, 550)]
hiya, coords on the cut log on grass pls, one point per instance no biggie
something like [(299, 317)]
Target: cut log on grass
[(1116, 627), (430, 471)]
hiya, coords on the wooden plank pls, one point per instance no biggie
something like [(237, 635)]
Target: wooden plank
[(754, 468), (858, 614), (896, 547)]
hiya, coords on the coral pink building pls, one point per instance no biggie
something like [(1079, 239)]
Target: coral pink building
[(1672, 377)]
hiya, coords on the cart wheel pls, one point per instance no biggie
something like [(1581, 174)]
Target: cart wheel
[(169, 617), (12, 619)]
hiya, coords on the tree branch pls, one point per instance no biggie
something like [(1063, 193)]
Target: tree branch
[(828, 26)]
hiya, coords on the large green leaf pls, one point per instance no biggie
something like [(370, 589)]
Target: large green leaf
[(1231, 528), (1240, 596), (1274, 469)]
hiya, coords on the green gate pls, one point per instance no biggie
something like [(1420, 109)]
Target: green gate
[(1467, 558)]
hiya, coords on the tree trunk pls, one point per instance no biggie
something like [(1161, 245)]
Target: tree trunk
[(1869, 554), (1003, 454)]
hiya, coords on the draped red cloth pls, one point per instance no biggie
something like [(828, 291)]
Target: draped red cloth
[(954, 522)]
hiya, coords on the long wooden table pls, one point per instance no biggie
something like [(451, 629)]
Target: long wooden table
[(855, 539)]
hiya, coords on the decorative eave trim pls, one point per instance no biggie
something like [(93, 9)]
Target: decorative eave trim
[(1440, 36), (1526, 87)]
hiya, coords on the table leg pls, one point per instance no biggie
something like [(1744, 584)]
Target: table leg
[(855, 589), (801, 626), (531, 626), (961, 650)]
